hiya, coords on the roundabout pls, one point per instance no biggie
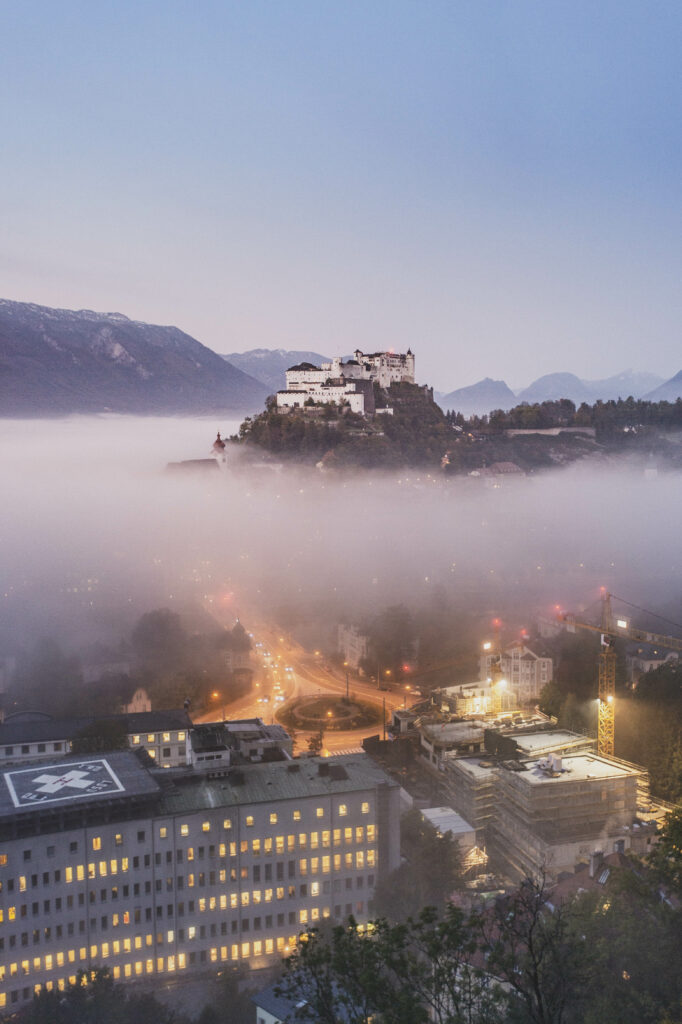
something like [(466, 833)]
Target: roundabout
[(328, 712)]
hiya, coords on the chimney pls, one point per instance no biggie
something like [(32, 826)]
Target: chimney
[(595, 862)]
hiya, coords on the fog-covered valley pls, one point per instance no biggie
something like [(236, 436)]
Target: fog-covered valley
[(96, 530)]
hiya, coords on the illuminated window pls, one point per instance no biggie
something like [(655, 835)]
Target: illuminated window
[(245, 899), (273, 817), (124, 863), (343, 810), (371, 833), (279, 844), (206, 826), (326, 835), (136, 739), (103, 869), (152, 754), (365, 807), (315, 889), (22, 883), (359, 859), (113, 867), (222, 850), (246, 947), (319, 812), (150, 737), (118, 839), (303, 916), (371, 858), (268, 895), (249, 822), (297, 815), (348, 835), (12, 913), (314, 840), (267, 846), (181, 960), (184, 830), (138, 967), (166, 737), (256, 895), (255, 846), (190, 853), (170, 936), (337, 837), (359, 834), (181, 737), (97, 842), (105, 949), (163, 832), (227, 823), (233, 900), (302, 840), (325, 865)]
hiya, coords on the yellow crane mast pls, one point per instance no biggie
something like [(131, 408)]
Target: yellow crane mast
[(610, 628)]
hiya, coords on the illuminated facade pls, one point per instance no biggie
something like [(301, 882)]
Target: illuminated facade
[(105, 863)]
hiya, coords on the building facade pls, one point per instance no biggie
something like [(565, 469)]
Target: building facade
[(525, 670), (346, 383), (150, 873), (34, 736)]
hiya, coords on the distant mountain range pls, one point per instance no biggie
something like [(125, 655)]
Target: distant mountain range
[(270, 365), (59, 361), (487, 394)]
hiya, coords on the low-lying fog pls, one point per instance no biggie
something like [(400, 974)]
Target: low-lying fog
[(95, 532)]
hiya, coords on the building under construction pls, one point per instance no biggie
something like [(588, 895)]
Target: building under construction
[(545, 800)]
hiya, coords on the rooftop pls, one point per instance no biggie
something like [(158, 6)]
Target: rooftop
[(82, 779), (579, 767), (444, 819), (27, 728)]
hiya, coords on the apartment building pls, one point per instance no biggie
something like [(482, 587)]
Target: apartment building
[(525, 670), (160, 873), (31, 736)]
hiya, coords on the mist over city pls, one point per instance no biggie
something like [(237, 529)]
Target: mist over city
[(89, 499)]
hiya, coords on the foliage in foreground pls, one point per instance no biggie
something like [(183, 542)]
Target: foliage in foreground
[(606, 957)]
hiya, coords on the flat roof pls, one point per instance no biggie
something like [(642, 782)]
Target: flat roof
[(578, 767), (452, 732), (73, 780), (532, 741), (276, 780), (444, 819)]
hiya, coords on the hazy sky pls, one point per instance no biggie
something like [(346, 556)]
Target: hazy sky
[(496, 184)]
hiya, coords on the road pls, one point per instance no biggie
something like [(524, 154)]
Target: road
[(283, 670)]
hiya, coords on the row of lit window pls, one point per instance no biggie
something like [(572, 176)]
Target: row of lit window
[(107, 868), (89, 953), (313, 866), (165, 737), (244, 950), (342, 811)]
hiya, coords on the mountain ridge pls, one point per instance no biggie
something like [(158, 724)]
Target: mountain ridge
[(59, 361)]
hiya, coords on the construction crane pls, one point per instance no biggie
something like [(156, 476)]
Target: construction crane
[(610, 628)]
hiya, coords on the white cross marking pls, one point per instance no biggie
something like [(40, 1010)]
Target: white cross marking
[(53, 783)]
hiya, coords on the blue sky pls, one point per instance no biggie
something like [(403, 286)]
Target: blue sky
[(497, 185)]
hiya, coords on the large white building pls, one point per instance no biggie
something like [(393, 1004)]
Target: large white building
[(348, 383), (161, 873)]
